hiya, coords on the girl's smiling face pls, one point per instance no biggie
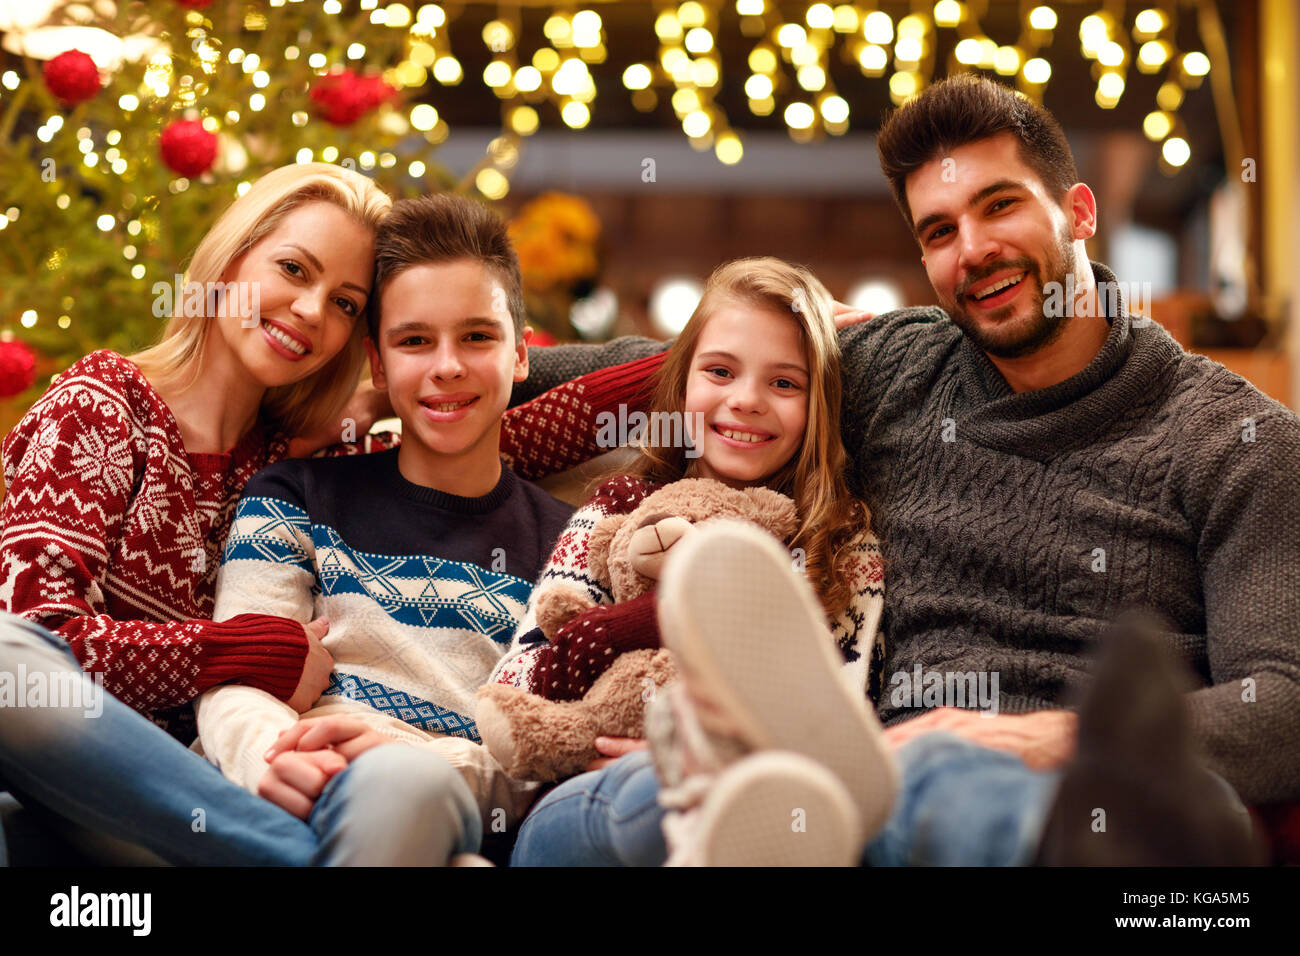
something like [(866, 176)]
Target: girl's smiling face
[(748, 387)]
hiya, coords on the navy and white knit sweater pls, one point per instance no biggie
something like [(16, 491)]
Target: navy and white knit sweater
[(423, 591)]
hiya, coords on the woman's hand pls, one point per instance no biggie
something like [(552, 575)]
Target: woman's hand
[(316, 667), (847, 316), (366, 406), (612, 748)]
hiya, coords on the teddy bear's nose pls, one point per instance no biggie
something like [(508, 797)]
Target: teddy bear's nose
[(653, 519)]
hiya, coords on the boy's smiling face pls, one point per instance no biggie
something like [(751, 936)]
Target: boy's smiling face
[(448, 357)]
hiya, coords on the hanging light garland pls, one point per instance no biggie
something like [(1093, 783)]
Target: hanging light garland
[(788, 66)]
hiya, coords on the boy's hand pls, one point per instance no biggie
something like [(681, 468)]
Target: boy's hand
[(346, 736), (367, 405), (316, 668), (294, 780)]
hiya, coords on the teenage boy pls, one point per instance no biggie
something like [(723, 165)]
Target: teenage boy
[(421, 558)]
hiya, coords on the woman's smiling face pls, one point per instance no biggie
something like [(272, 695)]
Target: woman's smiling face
[(748, 387), (309, 279)]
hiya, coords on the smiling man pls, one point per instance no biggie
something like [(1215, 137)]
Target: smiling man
[(1037, 462)]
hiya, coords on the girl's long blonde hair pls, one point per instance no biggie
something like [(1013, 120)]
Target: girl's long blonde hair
[(176, 358), (829, 517)]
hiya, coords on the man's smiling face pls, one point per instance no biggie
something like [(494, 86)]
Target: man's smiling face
[(991, 238)]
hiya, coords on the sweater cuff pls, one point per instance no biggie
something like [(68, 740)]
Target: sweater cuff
[(628, 384), (257, 650), (586, 646)]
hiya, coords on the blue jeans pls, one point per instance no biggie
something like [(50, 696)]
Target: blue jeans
[(959, 804), (607, 817), (102, 765)]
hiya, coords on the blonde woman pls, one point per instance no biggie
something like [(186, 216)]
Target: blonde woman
[(756, 375), (121, 481)]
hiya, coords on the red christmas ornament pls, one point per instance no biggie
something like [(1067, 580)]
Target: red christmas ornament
[(72, 77), (542, 337), (187, 148), (343, 97), (17, 367)]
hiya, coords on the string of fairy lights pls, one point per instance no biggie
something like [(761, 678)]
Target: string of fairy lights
[(789, 69), (789, 64)]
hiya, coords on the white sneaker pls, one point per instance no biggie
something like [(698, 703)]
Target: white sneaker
[(760, 667), (768, 809)]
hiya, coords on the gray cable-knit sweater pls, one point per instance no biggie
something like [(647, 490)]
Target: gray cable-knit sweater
[(1015, 526)]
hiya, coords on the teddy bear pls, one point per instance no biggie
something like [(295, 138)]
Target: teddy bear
[(551, 734)]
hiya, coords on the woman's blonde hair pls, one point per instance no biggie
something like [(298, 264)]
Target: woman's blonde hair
[(177, 356), (829, 517)]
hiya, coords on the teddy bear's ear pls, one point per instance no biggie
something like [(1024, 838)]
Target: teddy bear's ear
[(598, 545), (773, 511)]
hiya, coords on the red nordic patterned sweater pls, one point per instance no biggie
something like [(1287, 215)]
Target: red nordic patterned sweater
[(111, 533)]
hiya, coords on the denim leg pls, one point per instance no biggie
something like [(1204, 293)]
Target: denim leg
[(609, 817), (960, 804), (396, 805), (103, 765)]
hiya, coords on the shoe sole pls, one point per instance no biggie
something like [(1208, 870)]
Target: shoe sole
[(752, 637), (777, 809)]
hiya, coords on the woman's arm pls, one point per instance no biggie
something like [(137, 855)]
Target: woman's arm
[(71, 480), (552, 365), (562, 428)]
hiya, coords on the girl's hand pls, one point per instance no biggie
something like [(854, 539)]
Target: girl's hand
[(847, 316), (614, 747), (294, 780), (346, 736), (316, 668)]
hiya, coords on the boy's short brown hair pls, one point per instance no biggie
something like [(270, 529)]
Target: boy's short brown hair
[(444, 228), (964, 109)]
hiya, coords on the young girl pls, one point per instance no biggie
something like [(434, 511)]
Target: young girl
[(756, 375)]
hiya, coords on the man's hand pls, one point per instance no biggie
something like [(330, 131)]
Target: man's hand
[(1043, 740), (614, 747), (316, 668), (346, 736), (294, 780), (847, 316)]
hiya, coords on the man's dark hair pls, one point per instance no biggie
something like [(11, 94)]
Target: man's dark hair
[(444, 228), (964, 109)]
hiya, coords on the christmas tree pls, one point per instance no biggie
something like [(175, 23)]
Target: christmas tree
[(129, 127)]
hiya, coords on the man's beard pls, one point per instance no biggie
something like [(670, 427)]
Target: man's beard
[(1035, 331)]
